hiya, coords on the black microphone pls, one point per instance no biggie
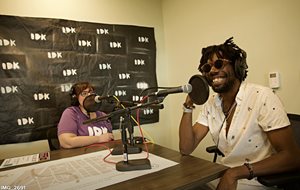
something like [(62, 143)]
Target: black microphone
[(94, 102), (185, 88), (99, 99)]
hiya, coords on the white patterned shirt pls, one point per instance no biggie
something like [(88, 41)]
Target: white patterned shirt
[(258, 110)]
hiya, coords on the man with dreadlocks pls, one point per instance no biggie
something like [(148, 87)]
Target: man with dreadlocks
[(247, 121)]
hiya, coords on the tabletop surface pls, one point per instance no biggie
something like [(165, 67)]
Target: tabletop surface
[(191, 172)]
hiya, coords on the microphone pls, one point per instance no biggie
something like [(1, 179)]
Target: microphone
[(99, 99), (94, 102), (108, 104), (185, 88)]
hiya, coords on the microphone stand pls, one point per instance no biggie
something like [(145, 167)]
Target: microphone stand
[(131, 149), (126, 164)]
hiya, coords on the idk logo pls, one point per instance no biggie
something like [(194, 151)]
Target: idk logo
[(9, 89), (105, 66), (102, 31), (143, 39), (124, 76), (10, 66), (6, 42), (65, 87), (137, 98), (41, 96), (54, 55), (120, 93), (142, 85), (139, 62), (38, 37), (115, 44), (68, 30), (148, 111), (25, 121), (84, 43), (69, 72)]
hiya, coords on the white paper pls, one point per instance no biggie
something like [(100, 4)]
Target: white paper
[(20, 160), (87, 171)]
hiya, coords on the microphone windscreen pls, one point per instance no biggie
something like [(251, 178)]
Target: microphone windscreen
[(200, 89), (104, 105), (89, 103)]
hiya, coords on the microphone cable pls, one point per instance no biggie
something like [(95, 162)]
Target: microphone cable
[(141, 132), (102, 145)]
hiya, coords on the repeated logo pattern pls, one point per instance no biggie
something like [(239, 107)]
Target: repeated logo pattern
[(41, 58)]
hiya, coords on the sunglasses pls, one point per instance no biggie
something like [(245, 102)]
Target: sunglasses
[(218, 64)]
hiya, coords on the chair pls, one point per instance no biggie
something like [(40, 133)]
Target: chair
[(287, 180), (53, 138), (24, 148)]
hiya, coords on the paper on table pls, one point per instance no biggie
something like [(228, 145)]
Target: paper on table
[(25, 159), (87, 171)]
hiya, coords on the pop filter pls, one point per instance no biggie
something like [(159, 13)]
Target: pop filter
[(200, 89), (94, 102), (89, 103)]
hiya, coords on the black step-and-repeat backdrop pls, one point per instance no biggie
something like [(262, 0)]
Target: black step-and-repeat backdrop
[(42, 58)]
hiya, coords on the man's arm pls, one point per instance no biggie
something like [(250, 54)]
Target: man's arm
[(285, 159), (190, 135)]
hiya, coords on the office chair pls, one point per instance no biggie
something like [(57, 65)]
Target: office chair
[(53, 138), (287, 180)]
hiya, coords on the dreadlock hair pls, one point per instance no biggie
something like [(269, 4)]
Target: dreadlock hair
[(228, 50)]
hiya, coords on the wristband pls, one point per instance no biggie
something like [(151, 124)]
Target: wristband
[(250, 168), (188, 107), (187, 110)]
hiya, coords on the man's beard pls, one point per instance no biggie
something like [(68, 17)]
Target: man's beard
[(227, 86)]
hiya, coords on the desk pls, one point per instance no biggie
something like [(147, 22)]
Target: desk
[(191, 172)]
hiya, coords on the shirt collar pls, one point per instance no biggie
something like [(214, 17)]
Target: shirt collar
[(238, 98)]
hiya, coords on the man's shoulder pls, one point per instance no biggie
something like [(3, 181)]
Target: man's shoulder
[(256, 90), (255, 86)]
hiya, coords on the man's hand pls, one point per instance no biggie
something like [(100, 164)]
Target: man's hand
[(228, 181)]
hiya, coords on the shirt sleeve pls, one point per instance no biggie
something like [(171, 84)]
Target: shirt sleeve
[(202, 117), (272, 114), (68, 122)]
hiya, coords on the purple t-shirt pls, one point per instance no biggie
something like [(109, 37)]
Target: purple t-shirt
[(72, 120)]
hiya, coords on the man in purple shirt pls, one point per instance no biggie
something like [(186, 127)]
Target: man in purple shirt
[(71, 130)]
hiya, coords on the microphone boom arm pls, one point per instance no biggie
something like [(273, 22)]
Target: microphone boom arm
[(122, 111)]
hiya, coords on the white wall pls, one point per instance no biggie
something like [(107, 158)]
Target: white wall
[(267, 30)]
